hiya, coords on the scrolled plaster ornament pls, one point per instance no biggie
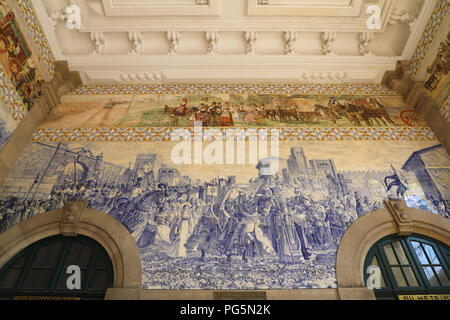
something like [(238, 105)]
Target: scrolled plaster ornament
[(290, 37), (327, 40), (174, 38), (365, 38), (71, 15), (250, 38), (402, 16), (137, 38), (99, 40), (213, 41)]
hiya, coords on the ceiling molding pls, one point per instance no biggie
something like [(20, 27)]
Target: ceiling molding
[(317, 8), (120, 8), (117, 49), (212, 68), (418, 29)]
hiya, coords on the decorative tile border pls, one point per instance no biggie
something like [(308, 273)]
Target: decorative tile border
[(13, 102), (10, 97), (285, 134), (38, 35), (446, 110), (338, 89), (429, 34)]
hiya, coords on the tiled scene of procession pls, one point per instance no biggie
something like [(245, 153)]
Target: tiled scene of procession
[(231, 226), (231, 110)]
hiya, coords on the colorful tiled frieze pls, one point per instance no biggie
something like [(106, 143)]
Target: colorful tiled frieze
[(11, 99), (22, 49), (429, 34), (284, 134), (446, 110), (287, 88), (38, 34)]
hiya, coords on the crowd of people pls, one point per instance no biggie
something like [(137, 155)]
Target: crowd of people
[(257, 222)]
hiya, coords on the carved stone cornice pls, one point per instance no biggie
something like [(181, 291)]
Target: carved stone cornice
[(416, 95)]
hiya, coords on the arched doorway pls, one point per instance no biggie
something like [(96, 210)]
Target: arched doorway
[(408, 268), (396, 219), (41, 270), (75, 220)]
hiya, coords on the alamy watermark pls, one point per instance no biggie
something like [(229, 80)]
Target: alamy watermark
[(74, 280), (230, 146), (374, 279), (374, 20)]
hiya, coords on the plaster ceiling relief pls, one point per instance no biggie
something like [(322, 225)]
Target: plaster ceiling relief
[(233, 41)]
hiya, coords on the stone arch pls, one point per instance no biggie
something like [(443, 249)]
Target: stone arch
[(76, 219), (396, 218)]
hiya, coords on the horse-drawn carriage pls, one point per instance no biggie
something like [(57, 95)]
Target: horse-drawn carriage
[(306, 109)]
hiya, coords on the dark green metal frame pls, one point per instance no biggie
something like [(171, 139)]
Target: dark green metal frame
[(59, 270), (392, 290)]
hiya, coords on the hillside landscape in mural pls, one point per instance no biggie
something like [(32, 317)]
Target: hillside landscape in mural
[(230, 226), (231, 110)]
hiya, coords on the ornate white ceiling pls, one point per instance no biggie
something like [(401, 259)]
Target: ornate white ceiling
[(153, 41)]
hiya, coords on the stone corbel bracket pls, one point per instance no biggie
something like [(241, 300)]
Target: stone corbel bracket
[(397, 209), (71, 15), (251, 37), (416, 95), (70, 217), (327, 43)]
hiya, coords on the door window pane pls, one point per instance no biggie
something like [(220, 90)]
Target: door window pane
[(401, 282), (419, 252), (442, 276), (9, 278), (390, 255), (431, 276), (412, 281), (431, 254), (375, 263), (400, 252)]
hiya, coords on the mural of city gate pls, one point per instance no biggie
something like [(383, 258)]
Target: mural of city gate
[(230, 226)]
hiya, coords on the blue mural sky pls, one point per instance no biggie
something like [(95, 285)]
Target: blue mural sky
[(347, 156), (7, 124)]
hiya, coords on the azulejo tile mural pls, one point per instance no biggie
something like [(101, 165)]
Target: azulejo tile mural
[(256, 88), (7, 125), (438, 82), (12, 101), (270, 222), (19, 63), (232, 110), (25, 62), (428, 36), (34, 27), (285, 134)]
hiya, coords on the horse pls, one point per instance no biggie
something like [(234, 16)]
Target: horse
[(287, 114), (327, 113), (272, 113)]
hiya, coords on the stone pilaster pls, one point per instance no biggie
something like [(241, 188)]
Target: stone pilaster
[(415, 94), (63, 82)]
